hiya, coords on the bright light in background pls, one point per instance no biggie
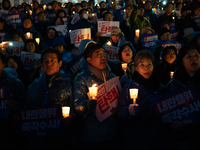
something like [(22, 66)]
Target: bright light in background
[(164, 2), (10, 44)]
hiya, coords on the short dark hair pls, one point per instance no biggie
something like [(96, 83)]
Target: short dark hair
[(90, 49), (51, 28), (143, 54), (81, 11), (20, 34), (42, 12), (51, 50), (3, 58), (121, 49), (61, 10), (57, 18), (166, 50), (104, 15), (14, 8)]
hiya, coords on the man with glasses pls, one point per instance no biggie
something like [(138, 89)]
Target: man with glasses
[(93, 134)]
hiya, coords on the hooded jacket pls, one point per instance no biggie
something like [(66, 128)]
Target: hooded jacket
[(59, 90), (92, 130)]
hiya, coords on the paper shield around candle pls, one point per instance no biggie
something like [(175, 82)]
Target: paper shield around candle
[(65, 111), (133, 93), (93, 91), (124, 66)]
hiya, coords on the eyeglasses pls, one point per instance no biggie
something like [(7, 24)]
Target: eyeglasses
[(101, 54)]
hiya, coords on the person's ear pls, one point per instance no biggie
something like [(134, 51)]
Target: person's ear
[(60, 63), (89, 60)]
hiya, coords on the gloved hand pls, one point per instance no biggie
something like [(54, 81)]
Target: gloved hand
[(132, 109), (91, 104)]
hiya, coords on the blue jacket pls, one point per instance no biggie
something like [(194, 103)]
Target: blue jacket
[(91, 130), (59, 90), (153, 17), (80, 24), (17, 90), (140, 131)]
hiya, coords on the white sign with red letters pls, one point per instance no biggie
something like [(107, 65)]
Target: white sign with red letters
[(80, 34), (75, 18), (105, 27)]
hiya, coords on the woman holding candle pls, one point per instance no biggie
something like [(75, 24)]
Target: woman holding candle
[(31, 46), (125, 55), (168, 64), (138, 123)]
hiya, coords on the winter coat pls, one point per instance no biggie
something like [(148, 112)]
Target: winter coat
[(59, 90), (46, 44), (140, 132), (81, 24), (91, 129)]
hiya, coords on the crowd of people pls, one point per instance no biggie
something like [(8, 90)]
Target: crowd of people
[(153, 70)]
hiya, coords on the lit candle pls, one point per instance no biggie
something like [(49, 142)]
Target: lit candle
[(92, 14), (37, 40), (30, 12), (143, 2), (171, 74), (172, 2), (162, 8), (124, 10), (93, 91), (173, 18), (69, 30), (73, 12), (108, 43), (44, 7), (28, 34), (112, 2), (124, 66), (137, 33), (154, 9), (65, 111), (31, 5), (133, 94)]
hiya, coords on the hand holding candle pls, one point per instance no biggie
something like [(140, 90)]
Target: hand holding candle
[(37, 40), (93, 91), (133, 94), (44, 7), (65, 111), (28, 34), (171, 74), (124, 66), (30, 12), (108, 43)]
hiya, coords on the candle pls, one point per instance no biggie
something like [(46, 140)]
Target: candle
[(108, 43), (124, 66), (93, 91), (154, 9), (172, 2), (173, 18), (73, 12), (65, 111), (30, 12), (44, 7), (171, 74), (112, 2), (69, 30), (28, 34), (31, 5), (143, 2), (162, 8), (37, 40), (137, 33), (133, 94), (92, 14), (124, 10)]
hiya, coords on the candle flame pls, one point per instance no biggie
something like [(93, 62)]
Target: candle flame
[(94, 85)]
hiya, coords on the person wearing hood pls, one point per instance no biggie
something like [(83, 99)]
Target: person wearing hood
[(84, 23), (6, 4), (187, 75), (168, 65), (60, 45), (117, 40), (92, 133)]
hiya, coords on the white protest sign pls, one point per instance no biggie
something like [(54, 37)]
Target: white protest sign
[(77, 36), (12, 47), (113, 53), (75, 18), (62, 29), (3, 12), (29, 59), (105, 27), (107, 98)]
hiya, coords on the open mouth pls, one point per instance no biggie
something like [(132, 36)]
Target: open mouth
[(127, 54), (194, 64), (146, 74)]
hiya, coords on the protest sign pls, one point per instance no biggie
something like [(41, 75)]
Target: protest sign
[(78, 35), (12, 47), (3, 12), (172, 27), (13, 19), (174, 35), (197, 20), (182, 105), (4, 95), (35, 18), (176, 44), (107, 98), (39, 120), (29, 59), (62, 29), (74, 66), (105, 27), (65, 20), (160, 12), (113, 53), (75, 18), (93, 18), (148, 40), (51, 17)]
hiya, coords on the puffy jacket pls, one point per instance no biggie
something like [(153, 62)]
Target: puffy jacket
[(91, 130), (17, 90), (140, 132), (59, 90)]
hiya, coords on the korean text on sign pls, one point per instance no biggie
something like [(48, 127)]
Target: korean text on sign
[(107, 96), (105, 27)]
